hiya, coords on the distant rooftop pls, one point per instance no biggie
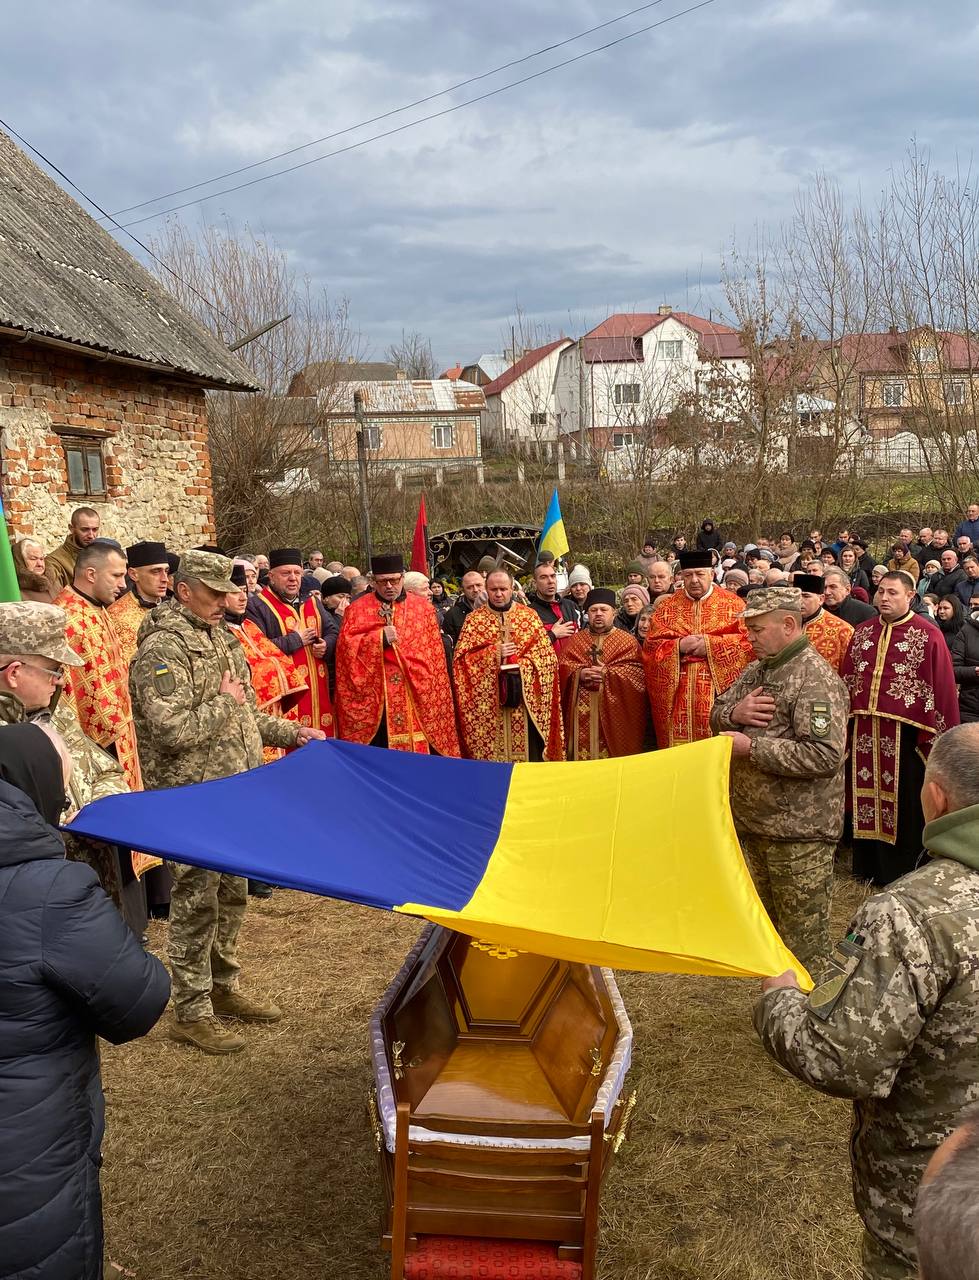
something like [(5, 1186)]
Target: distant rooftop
[(418, 395), (526, 362), (323, 374)]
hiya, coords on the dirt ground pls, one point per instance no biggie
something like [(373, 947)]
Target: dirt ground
[(261, 1167)]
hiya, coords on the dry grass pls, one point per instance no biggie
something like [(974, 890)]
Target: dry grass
[(260, 1166)]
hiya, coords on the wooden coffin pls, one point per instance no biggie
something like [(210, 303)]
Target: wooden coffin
[(498, 1094)]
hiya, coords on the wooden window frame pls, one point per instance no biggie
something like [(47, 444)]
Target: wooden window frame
[(85, 446)]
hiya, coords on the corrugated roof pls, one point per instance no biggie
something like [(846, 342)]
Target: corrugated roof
[(453, 374), (492, 365), (524, 365), (410, 396), (63, 276)]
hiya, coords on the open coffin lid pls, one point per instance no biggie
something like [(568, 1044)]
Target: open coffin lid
[(496, 1047)]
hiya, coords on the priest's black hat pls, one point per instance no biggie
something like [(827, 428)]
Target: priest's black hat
[(212, 550), (388, 562), (810, 582), (141, 554), (695, 560), (238, 575), (173, 562), (335, 586), (285, 555), (600, 595)]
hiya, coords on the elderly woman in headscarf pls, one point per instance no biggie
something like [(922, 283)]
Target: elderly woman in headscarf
[(28, 556), (70, 971), (634, 600)]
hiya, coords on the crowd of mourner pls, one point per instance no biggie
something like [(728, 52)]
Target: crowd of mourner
[(844, 678)]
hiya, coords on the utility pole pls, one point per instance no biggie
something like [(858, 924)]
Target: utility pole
[(582, 417), (365, 516)]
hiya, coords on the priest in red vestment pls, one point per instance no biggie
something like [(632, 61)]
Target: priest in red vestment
[(902, 695), (829, 636), (303, 631), (146, 574), (603, 686), (392, 686), (278, 685), (100, 686), (506, 675), (696, 647)]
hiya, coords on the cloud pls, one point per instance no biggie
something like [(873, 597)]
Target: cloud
[(614, 182)]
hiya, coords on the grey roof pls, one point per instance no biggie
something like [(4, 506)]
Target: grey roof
[(63, 276), (324, 373), (493, 366), (420, 395)]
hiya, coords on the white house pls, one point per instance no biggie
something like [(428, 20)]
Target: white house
[(634, 368), (521, 404)]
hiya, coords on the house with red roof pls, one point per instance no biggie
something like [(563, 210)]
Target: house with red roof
[(522, 403), (635, 368)]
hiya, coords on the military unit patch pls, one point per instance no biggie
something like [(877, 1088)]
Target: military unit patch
[(846, 958), (819, 720)]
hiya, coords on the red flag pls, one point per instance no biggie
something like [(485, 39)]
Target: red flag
[(419, 543)]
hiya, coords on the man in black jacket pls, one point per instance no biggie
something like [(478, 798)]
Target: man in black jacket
[(473, 595), (71, 971), (557, 615), (952, 574), (838, 601), (965, 662)]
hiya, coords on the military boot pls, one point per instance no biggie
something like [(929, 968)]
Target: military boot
[(232, 1004), (208, 1035)]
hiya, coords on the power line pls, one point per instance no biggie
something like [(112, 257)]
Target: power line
[(95, 205), (411, 124), (386, 115)]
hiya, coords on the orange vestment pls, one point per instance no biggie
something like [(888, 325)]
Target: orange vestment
[(313, 708), (490, 730), (405, 685), (681, 689), (610, 721), (830, 637), (127, 616), (275, 678), (100, 687)]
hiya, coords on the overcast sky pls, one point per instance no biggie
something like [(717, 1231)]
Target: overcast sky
[(610, 184)]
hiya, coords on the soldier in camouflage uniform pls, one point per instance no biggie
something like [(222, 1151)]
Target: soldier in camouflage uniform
[(896, 1024), (197, 719), (33, 655), (787, 716)]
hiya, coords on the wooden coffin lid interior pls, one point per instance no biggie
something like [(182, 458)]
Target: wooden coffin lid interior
[(497, 1041)]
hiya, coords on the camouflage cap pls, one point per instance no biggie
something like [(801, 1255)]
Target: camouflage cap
[(767, 599), (30, 628), (213, 570)]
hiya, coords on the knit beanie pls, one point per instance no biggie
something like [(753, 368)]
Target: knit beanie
[(579, 574), (635, 590)]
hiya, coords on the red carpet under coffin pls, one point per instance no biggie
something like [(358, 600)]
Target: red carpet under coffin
[(457, 1258)]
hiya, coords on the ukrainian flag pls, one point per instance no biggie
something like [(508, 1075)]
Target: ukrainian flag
[(552, 535), (560, 859)]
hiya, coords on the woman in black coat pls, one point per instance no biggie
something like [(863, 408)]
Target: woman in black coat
[(70, 971), (965, 661), (950, 616)]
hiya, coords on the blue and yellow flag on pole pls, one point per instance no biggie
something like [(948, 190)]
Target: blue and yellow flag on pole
[(9, 590), (552, 536), (558, 859)]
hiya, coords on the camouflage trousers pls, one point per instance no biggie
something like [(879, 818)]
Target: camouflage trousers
[(882, 1263), (794, 880), (206, 911)]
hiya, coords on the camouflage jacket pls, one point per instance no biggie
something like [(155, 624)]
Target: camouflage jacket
[(895, 1027), (791, 786), (94, 773), (186, 730)]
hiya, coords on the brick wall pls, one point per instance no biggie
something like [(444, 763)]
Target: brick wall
[(154, 434)]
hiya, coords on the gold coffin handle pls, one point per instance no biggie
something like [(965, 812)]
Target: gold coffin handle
[(374, 1116), (619, 1136)]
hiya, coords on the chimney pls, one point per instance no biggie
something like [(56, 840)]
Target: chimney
[(665, 309)]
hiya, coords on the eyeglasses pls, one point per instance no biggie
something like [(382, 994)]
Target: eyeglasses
[(54, 674)]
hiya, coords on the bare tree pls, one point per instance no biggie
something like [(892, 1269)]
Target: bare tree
[(413, 354), (264, 447)]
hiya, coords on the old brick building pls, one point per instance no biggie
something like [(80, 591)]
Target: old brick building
[(102, 377)]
